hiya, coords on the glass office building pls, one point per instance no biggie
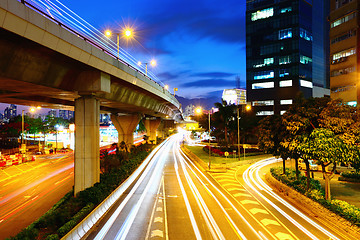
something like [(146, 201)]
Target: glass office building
[(282, 52)]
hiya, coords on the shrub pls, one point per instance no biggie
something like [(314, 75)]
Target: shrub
[(316, 192), (52, 237)]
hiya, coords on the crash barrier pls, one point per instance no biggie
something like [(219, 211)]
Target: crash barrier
[(16, 159)]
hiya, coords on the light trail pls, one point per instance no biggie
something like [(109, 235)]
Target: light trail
[(233, 224), (224, 197), (102, 233), (248, 176), (60, 13)]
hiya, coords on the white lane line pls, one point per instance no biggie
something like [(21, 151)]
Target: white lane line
[(187, 203), (209, 219), (226, 199), (101, 234), (125, 228), (240, 234), (165, 212), (153, 212), (264, 163)]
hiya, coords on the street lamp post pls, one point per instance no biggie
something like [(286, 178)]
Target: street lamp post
[(247, 108), (127, 33), (175, 89), (199, 111), (152, 63)]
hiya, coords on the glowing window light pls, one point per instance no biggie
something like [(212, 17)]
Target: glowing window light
[(261, 14)]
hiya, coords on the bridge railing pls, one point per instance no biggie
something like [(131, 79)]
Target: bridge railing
[(67, 19)]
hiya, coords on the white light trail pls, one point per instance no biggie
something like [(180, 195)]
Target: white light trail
[(248, 174)]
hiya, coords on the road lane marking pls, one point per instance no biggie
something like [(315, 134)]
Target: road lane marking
[(165, 212), (247, 201), (258, 210), (283, 236), (158, 220), (157, 233), (241, 195), (159, 209), (267, 221)]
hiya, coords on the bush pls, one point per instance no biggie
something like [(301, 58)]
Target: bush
[(69, 211), (316, 192), (350, 176)]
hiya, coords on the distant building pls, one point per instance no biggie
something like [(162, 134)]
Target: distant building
[(344, 51), (64, 114), (287, 52), (189, 110), (10, 112), (52, 113), (234, 96)]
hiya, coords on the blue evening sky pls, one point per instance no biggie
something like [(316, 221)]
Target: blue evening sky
[(199, 45)]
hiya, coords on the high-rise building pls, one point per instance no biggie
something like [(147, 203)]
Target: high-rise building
[(344, 47), (284, 57), (64, 114), (234, 96), (10, 111)]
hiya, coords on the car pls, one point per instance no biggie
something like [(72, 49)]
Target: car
[(312, 165)]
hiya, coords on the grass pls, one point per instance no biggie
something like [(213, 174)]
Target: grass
[(200, 153)]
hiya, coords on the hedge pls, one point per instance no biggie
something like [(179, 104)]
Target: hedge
[(70, 210), (316, 192), (350, 176)]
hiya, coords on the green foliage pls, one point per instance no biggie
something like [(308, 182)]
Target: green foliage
[(316, 192), (289, 178), (52, 237), (69, 211)]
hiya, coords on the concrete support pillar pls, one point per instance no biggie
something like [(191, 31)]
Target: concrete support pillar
[(151, 126), (125, 126), (87, 144)]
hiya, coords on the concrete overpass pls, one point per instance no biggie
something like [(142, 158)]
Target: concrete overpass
[(42, 63)]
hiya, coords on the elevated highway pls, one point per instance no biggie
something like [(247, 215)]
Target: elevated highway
[(45, 63)]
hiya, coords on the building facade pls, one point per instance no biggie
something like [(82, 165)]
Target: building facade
[(10, 112), (344, 46), (235, 96), (284, 57)]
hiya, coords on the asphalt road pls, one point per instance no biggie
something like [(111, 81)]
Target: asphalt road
[(28, 190), (175, 199)]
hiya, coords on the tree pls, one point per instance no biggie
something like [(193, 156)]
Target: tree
[(221, 120), (271, 134), (324, 147)]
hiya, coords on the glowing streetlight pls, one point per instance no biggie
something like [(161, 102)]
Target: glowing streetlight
[(152, 63), (247, 108), (127, 33), (166, 87), (175, 89)]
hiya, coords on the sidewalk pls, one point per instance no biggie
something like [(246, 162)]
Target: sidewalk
[(346, 191)]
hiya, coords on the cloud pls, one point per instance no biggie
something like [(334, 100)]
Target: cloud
[(210, 83), (167, 76), (212, 74)]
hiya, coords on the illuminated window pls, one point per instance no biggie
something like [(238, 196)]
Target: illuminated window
[(285, 10), (282, 112), (285, 33), (262, 85), (304, 83), (263, 62), (263, 75), (263, 103), (284, 60), (283, 72), (286, 83), (343, 20), (286, 102), (345, 53), (261, 14), (264, 113), (305, 59), (306, 35)]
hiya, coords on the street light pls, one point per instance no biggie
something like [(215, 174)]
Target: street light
[(199, 111), (175, 89), (152, 63), (127, 33), (247, 108)]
